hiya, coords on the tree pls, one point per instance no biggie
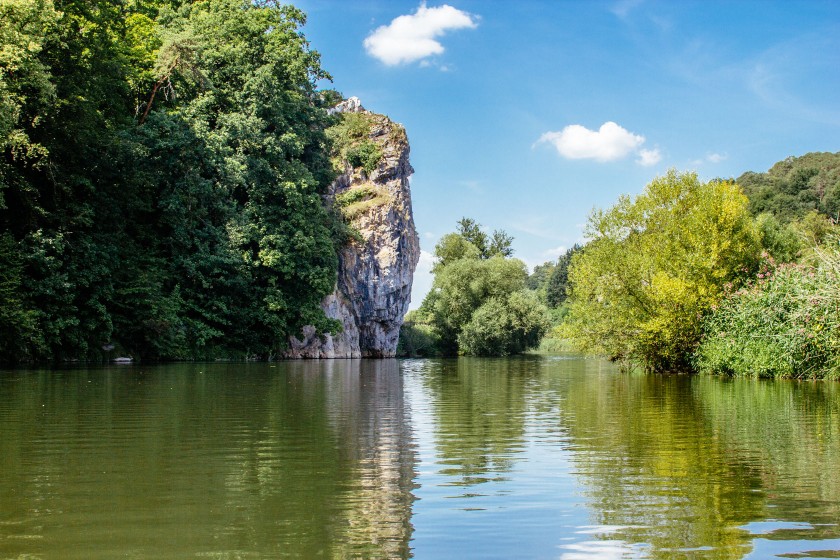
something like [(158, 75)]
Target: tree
[(26, 86), (556, 289), (471, 230), (782, 242), (16, 322), (538, 279), (504, 326), (499, 244), (478, 304), (160, 178), (461, 287), (795, 186), (453, 247), (656, 265)]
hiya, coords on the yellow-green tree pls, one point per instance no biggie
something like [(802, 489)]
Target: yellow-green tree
[(656, 265)]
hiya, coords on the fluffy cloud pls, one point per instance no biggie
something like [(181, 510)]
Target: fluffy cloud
[(608, 143), (413, 37), (710, 158), (649, 157)]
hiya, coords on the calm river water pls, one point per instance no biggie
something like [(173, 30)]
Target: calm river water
[(535, 457)]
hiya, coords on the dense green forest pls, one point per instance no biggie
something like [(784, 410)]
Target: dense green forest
[(796, 186), (160, 179), (739, 277)]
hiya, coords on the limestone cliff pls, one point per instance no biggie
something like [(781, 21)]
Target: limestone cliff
[(376, 268)]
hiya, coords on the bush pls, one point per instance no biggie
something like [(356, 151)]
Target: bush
[(417, 340), (365, 155), (655, 266), (505, 326), (786, 324), (351, 142)]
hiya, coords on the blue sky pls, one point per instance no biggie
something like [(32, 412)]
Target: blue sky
[(525, 115)]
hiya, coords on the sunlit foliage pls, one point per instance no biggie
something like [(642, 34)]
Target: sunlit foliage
[(785, 324), (654, 267), (479, 304)]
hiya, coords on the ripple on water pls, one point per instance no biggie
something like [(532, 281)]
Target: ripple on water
[(467, 458)]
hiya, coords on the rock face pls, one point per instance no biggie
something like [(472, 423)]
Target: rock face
[(376, 268)]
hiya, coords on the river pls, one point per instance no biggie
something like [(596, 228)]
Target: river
[(533, 457)]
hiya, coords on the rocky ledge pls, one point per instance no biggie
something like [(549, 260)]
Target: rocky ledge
[(377, 266)]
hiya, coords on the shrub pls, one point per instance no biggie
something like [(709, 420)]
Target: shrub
[(786, 324), (351, 142), (366, 155), (417, 340), (505, 326)]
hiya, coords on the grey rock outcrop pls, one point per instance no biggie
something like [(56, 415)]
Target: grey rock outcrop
[(376, 268)]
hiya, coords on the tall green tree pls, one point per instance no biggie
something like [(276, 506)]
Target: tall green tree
[(556, 290), (497, 244), (654, 267), (247, 76), (479, 304), (160, 180)]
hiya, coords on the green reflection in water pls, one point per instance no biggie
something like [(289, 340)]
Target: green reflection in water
[(528, 457), (479, 408), (668, 467), (297, 460)]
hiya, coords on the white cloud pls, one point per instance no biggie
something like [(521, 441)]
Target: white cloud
[(649, 157), (426, 261), (710, 158), (414, 37), (608, 143)]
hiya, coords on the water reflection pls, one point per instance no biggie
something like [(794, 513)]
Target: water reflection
[(300, 460), (479, 409), (682, 464), (653, 465), (531, 457), (573, 456)]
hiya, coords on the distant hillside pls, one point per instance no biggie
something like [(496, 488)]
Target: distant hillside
[(795, 186)]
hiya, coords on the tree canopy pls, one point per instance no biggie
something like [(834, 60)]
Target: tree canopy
[(796, 186), (479, 304), (160, 179), (654, 267)]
